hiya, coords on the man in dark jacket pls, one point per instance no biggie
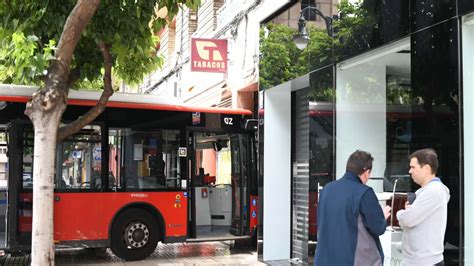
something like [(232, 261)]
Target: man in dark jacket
[(350, 219)]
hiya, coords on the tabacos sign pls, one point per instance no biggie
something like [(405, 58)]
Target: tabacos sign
[(209, 55)]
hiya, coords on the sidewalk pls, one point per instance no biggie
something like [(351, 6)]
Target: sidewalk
[(208, 253)]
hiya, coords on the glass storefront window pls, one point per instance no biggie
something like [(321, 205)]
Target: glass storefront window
[(429, 12), (465, 6), (313, 164), (366, 25), (393, 101), (280, 59)]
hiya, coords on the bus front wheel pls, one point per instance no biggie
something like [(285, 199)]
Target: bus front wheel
[(134, 235)]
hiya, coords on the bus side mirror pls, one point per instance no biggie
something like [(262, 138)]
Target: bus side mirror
[(217, 146), (251, 124)]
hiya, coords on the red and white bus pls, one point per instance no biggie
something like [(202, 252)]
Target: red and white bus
[(148, 169)]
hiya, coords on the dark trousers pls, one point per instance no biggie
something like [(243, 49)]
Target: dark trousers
[(441, 263)]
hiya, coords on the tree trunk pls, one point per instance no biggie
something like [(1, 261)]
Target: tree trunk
[(43, 176), (45, 110), (46, 123)]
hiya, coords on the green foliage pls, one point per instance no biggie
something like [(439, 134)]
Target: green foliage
[(85, 84), (279, 57), (354, 28), (20, 59), (399, 93), (318, 94), (319, 51), (281, 60), (29, 31)]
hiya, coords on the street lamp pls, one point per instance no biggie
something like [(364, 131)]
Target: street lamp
[(301, 39)]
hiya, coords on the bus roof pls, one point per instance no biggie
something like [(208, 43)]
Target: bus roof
[(20, 93)]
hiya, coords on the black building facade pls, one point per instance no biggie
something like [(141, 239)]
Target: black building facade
[(395, 77)]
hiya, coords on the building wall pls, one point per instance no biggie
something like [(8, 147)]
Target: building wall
[(217, 19), (277, 189)]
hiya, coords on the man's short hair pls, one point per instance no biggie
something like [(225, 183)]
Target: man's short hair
[(426, 156), (359, 162)]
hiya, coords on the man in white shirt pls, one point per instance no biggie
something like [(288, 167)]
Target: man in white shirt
[(424, 221)]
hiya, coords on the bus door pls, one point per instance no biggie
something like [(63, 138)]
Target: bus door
[(20, 184), (240, 181), (78, 167), (218, 185)]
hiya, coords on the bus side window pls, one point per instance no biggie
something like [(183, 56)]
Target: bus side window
[(116, 167), (147, 159), (79, 161)]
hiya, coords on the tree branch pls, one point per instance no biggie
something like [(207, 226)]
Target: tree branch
[(73, 28), (77, 125)]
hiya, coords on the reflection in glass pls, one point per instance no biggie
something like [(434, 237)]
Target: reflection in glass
[(465, 6), (393, 104), (429, 12), (369, 24), (321, 127), (280, 59), (313, 164), (301, 205), (435, 82)]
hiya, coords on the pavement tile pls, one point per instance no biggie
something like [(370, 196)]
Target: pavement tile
[(179, 254)]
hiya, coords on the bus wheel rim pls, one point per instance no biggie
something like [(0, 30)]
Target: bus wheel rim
[(136, 235)]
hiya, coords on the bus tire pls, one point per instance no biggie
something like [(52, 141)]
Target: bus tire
[(134, 235)]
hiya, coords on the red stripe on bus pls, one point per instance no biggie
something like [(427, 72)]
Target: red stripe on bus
[(147, 106)]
